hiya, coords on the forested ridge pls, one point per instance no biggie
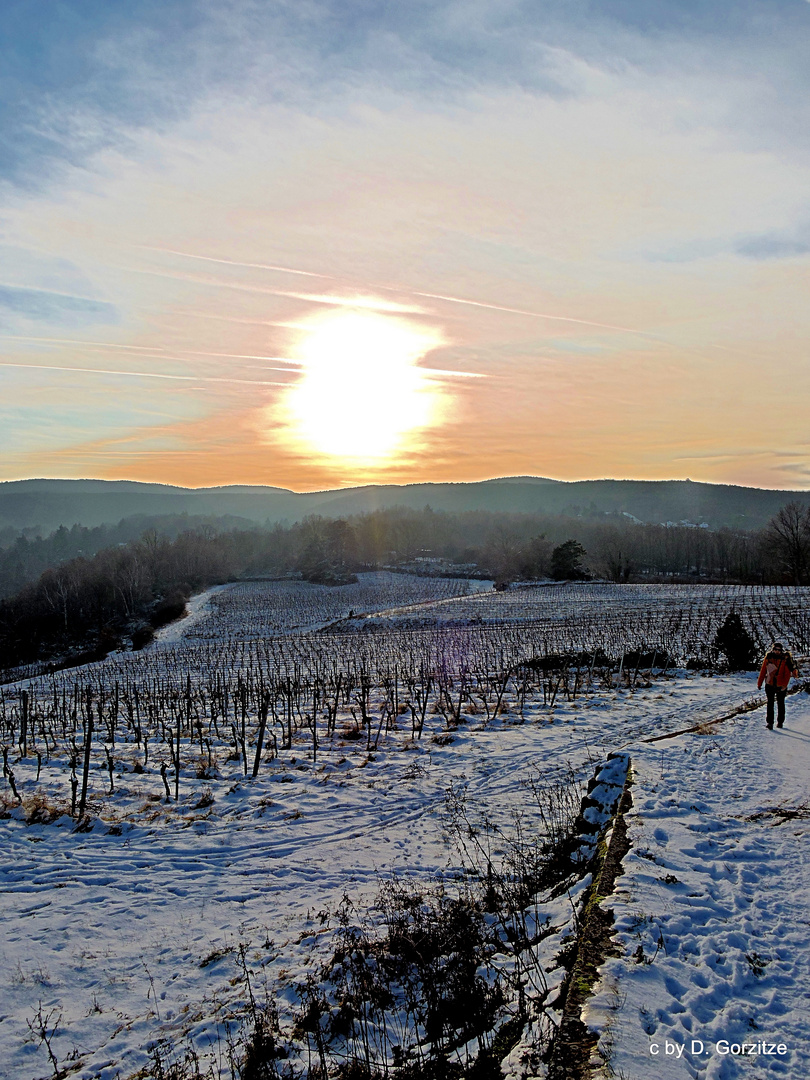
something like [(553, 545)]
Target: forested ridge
[(45, 504), (118, 590)]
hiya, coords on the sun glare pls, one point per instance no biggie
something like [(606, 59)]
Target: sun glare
[(361, 397)]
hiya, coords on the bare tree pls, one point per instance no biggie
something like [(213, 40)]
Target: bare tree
[(787, 541)]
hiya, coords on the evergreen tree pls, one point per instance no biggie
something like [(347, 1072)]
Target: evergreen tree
[(736, 644), (566, 562)]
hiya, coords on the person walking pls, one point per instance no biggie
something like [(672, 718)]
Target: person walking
[(776, 671)]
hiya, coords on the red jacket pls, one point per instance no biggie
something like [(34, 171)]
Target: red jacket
[(776, 670)]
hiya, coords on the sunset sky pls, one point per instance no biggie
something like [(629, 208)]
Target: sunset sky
[(313, 244)]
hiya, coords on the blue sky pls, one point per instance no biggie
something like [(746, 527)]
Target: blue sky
[(620, 190), (75, 76)]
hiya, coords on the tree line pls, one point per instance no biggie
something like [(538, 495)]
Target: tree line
[(87, 604), (24, 555)]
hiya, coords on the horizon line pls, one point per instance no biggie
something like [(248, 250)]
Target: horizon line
[(413, 483)]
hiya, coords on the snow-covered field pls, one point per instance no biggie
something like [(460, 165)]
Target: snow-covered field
[(682, 619), (243, 610), (560, 601), (147, 925)]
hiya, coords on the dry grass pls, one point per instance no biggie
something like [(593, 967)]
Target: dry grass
[(781, 814), (39, 809)]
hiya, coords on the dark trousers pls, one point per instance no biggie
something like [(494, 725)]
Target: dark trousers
[(772, 692)]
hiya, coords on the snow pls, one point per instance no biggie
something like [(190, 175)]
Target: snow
[(131, 932), (603, 798), (197, 609), (716, 895), (254, 609)]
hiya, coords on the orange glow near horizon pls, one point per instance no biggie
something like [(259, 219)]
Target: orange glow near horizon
[(405, 296)]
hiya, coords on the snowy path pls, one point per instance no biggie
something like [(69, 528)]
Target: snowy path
[(713, 910), (197, 609)]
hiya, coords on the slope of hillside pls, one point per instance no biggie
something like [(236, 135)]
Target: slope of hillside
[(46, 504)]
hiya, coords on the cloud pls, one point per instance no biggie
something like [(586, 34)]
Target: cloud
[(776, 245), (39, 305), (92, 73), (786, 243)]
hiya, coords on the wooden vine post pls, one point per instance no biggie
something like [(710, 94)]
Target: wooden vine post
[(88, 738)]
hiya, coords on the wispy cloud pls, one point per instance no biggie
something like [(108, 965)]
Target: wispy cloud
[(784, 243), (777, 245), (53, 307), (90, 75)]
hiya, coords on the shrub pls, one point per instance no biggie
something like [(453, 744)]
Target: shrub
[(168, 609), (142, 636), (736, 644)]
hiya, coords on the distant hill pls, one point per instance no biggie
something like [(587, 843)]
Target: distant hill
[(46, 504)]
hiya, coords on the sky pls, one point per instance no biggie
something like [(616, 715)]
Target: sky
[(315, 244)]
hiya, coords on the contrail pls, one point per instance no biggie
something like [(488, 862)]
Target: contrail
[(197, 279), (357, 302), (75, 341), (159, 351), (316, 298), (159, 355), (454, 374), (240, 356), (234, 262), (241, 322), (533, 314), (300, 364), (142, 374), (382, 306)]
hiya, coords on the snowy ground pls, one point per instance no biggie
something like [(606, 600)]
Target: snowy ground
[(252, 609), (716, 895), (132, 931)]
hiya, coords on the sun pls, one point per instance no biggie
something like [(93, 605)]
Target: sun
[(361, 397)]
